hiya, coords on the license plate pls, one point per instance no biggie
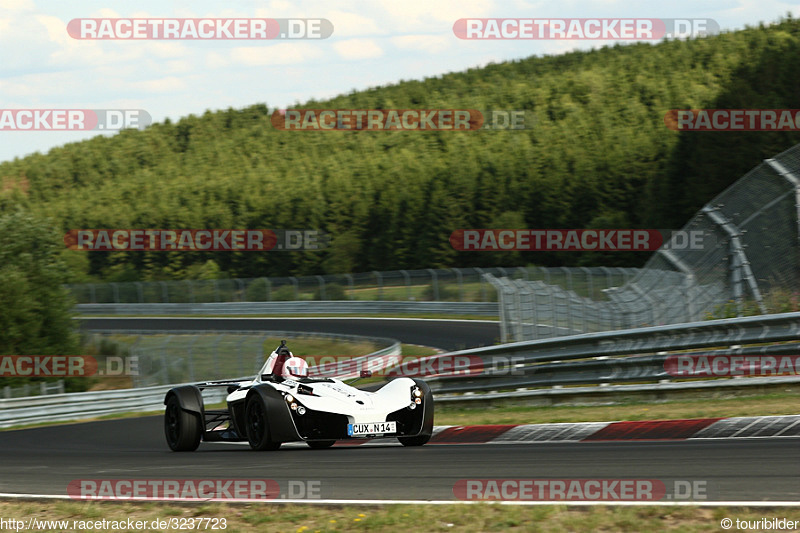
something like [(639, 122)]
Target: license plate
[(371, 428)]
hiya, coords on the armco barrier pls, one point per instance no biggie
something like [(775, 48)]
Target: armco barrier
[(488, 309), (598, 352), (81, 405), (596, 357)]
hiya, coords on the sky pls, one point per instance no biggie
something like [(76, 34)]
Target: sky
[(374, 43)]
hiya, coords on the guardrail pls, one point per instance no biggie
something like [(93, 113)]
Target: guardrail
[(330, 307), (596, 358), (82, 405), (79, 405)]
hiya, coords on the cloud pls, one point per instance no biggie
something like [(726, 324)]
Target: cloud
[(353, 49), (277, 54), (169, 84), (354, 24), (432, 13), (423, 43)]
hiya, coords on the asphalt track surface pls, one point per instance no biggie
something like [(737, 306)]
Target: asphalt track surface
[(45, 460), (445, 334)]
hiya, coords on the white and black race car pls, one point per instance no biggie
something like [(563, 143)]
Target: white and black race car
[(282, 404)]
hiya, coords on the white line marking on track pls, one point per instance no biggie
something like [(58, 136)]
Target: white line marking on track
[(697, 503)]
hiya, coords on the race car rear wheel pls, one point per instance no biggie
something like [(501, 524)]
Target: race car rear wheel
[(419, 440), (320, 444), (258, 425), (182, 429)]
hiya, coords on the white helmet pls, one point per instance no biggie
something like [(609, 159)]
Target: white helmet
[(295, 368)]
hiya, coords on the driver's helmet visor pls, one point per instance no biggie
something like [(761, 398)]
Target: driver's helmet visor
[(296, 367)]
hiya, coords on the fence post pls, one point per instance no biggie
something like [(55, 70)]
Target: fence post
[(482, 282), (296, 287), (380, 284), (351, 286), (191, 290), (92, 294), (190, 354), (7, 392), (217, 340), (546, 274), (322, 295), (434, 284), (460, 279), (43, 388), (240, 285), (116, 292), (407, 278), (164, 363), (164, 291)]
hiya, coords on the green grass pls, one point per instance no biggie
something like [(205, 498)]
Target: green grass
[(783, 403), (309, 518)]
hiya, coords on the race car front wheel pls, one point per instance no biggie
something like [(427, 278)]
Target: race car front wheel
[(182, 429), (258, 425)]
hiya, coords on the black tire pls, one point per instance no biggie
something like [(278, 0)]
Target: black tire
[(419, 440), (182, 429), (320, 444), (257, 424)]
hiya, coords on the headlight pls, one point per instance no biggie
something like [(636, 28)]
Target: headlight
[(416, 395), (289, 398), (301, 410)]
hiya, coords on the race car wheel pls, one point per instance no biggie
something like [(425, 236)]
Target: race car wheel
[(321, 444), (419, 440), (258, 426), (182, 429)]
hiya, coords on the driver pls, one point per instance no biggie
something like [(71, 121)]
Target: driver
[(282, 363), (295, 368)]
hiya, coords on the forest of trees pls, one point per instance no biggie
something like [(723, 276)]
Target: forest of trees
[(597, 156)]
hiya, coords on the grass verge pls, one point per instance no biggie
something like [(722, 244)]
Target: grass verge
[(779, 403), (473, 518)]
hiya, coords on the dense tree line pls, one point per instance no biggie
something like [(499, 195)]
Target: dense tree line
[(598, 155)]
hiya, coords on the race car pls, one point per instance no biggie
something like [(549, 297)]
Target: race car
[(283, 404)]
